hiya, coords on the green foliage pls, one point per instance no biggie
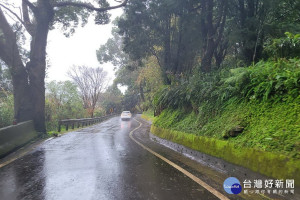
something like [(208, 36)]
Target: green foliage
[(177, 95), (269, 126), (182, 33), (68, 18), (6, 97), (168, 30), (148, 115), (263, 98), (271, 80), (111, 100), (285, 47), (149, 81), (112, 52), (274, 79), (6, 110), (5, 79), (62, 102), (130, 100)]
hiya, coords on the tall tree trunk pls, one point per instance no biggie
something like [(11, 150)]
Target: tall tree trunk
[(213, 28), (9, 53), (29, 82), (23, 107), (179, 69), (167, 52), (36, 67), (208, 55), (209, 47)]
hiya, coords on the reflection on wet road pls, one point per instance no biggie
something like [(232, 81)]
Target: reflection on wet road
[(98, 162)]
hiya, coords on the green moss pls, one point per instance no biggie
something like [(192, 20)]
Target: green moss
[(271, 164), (268, 126)]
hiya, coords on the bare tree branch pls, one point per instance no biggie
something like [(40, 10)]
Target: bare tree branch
[(26, 22), (13, 13), (28, 25), (9, 51), (91, 83), (89, 6)]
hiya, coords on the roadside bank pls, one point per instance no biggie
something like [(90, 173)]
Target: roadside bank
[(270, 164)]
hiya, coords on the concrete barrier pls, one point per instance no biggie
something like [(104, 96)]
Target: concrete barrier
[(15, 136)]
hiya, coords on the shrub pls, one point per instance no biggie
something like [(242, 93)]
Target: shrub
[(285, 47)]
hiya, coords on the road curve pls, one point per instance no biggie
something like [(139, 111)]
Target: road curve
[(97, 162)]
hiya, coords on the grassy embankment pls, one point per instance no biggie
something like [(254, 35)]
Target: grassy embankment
[(148, 115), (269, 114), (272, 127)]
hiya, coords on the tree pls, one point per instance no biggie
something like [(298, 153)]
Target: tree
[(149, 82), (112, 50), (252, 23), (63, 101), (111, 100), (142, 77), (178, 33), (91, 83), (167, 30), (38, 18), (126, 74), (213, 19)]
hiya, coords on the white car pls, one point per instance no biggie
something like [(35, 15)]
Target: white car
[(126, 115)]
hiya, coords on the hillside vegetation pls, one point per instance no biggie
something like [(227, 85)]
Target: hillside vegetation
[(263, 100)]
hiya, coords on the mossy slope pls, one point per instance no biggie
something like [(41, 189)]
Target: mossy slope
[(271, 164), (269, 144)]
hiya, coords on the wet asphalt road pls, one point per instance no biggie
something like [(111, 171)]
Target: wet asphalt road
[(98, 162)]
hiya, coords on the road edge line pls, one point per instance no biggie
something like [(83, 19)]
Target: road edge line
[(185, 172)]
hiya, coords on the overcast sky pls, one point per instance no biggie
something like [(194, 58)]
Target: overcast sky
[(79, 49)]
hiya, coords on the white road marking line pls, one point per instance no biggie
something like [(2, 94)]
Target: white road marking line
[(190, 175)]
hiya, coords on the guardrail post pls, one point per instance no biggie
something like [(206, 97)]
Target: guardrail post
[(73, 124), (78, 124), (67, 126)]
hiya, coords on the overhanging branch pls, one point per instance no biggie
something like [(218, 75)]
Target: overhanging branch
[(89, 6), (13, 13), (9, 52)]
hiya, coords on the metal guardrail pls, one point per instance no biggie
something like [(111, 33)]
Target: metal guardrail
[(83, 122)]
